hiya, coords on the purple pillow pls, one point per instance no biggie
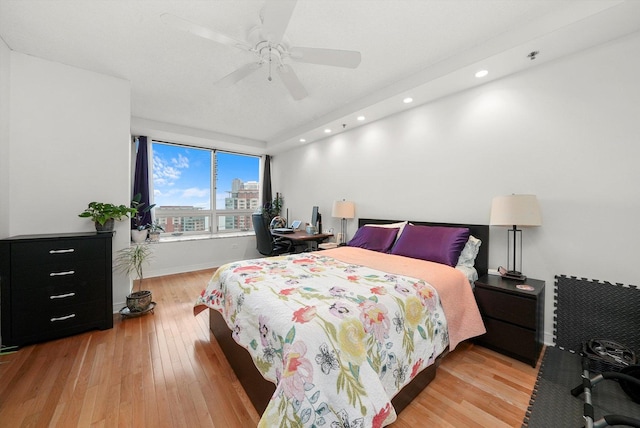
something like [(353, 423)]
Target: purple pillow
[(374, 238), (433, 243)]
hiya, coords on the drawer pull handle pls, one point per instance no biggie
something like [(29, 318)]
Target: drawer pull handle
[(70, 250), (63, 318), (62, 296), (69, 272)]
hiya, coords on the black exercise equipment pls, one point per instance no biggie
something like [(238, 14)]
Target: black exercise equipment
[(599, 355)]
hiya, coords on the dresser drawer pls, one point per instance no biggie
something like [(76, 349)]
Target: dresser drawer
[(56, 322), (511, 340), (56, 251), (57, 274), (507, 307), (56, 296)]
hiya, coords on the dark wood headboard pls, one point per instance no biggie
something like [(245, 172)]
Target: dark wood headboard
[(480, 231)]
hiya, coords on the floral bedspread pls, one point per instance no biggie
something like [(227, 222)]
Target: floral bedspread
[(338, 340)]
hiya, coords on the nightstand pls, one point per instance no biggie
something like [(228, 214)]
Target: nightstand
[(513, 317)]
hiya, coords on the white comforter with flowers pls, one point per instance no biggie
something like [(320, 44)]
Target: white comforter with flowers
[(338, 340)]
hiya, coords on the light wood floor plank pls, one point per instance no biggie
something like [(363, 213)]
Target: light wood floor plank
[(165, 369)]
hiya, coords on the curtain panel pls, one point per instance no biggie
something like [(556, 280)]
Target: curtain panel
[(141, 179)]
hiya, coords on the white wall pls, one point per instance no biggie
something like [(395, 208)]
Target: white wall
[(187, 256), (565, 131), (68, 145), (5, 86)]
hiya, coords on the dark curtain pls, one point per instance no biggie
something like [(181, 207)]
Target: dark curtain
[(267, 197), (141, 180)]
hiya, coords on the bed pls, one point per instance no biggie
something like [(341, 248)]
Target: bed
[(349, 335)]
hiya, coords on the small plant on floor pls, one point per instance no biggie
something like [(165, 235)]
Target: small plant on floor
[(131, 260)]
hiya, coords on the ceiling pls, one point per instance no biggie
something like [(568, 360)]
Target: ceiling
[(425, 49)]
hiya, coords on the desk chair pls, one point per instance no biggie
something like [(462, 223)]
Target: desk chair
[(266, 244)]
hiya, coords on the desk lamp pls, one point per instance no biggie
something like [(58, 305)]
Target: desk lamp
[(514, 211), (343, 210)]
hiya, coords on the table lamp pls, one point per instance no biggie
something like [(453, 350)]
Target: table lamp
[(514, 211), (343, 210)]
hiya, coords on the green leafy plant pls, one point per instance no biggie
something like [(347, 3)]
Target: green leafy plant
[(131, 260), (138, 216), (272, 208), (155, 227), (101, 212)]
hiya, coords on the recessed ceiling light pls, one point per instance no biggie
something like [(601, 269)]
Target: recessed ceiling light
[(327, 131), (407, 100), (302, 140), (361, 118), (481, 73)]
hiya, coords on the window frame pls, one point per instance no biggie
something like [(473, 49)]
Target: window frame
[(214, 213)]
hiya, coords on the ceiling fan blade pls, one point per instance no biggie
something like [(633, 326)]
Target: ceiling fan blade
[(275, 19), (198, 30), (236, 76), (292, 83), (334, 57)]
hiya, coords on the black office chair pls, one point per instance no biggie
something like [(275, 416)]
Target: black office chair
[(267, 244)]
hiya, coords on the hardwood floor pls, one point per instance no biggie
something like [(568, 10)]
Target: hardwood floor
[(166, 370)]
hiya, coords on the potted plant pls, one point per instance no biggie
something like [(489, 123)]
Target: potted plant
[(139, 234), (132, 260), (139, 230), (154, 230), (104, 214), (272, 208)]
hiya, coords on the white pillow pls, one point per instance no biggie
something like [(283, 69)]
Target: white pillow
[(400, 226), (469, 252)]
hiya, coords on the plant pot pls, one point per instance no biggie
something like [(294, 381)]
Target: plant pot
[(139, 301), (154, 236), (139, 236), (108, 226)]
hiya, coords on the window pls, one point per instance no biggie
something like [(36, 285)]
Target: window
[(203, 190)]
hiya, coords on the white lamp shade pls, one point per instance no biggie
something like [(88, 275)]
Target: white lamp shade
[(343, 209), (515, 210)]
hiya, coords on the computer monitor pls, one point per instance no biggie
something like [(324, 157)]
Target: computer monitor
[(316, 219)]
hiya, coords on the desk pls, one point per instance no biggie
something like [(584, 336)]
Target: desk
[(300, 236)]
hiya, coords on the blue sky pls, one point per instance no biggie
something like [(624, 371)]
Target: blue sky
[(182, 174)]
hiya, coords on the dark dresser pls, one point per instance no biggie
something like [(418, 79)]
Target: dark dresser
[(513, 313), (54, 285)]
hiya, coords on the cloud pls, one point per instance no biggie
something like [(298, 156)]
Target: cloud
[(181, 162), (195, 192), (166, 194), (167, 173)]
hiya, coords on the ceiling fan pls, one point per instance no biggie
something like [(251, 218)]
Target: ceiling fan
[(266, 42)]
